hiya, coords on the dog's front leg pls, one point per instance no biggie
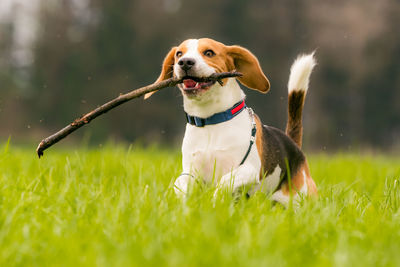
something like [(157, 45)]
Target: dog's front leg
[(183, 183), (243, 176)]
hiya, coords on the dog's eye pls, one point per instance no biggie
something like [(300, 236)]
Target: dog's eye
[(178, 54), (209, 53)]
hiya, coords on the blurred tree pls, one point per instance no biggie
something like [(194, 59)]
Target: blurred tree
[(87, 52), (381, 85)]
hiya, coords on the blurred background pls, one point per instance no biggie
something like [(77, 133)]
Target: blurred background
[(60, 59)]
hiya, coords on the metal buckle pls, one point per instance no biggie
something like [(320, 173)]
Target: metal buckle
[(251, 113)]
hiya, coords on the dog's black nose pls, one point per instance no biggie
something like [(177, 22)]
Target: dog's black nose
[(186, 63)]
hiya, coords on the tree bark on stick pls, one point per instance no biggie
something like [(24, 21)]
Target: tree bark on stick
[(85, 119)]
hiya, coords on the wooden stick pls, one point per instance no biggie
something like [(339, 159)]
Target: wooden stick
[(85, 119)]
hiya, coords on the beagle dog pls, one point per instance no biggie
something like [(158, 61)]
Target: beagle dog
[(225, 143)]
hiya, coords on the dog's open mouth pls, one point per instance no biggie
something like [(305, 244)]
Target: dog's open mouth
[(191, 86)]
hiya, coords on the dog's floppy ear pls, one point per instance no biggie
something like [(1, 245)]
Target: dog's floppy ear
[(166, 70), (246, 63)]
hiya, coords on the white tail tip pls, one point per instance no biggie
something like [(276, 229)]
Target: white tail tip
[(300, 72)]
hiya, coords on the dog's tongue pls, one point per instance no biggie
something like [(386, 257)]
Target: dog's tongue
[(189, 83)]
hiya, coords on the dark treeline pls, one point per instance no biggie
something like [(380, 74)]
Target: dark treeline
[(85, 53)]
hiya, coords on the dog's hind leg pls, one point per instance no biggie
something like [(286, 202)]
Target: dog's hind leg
[(244, 176), (302, 185)]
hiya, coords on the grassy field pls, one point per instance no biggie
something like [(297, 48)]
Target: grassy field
[(115, 206)]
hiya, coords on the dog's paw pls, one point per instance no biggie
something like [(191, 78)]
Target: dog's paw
[(181, 185)]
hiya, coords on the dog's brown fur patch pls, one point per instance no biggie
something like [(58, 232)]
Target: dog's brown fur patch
[(259, 141), (294, 127)]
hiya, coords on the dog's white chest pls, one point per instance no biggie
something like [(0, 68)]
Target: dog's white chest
[(214, 150)]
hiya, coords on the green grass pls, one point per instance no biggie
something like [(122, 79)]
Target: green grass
[(115, 206)]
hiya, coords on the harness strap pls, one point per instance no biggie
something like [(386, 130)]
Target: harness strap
[(252, 137)]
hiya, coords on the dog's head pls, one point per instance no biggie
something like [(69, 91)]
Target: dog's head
[(195, 58)]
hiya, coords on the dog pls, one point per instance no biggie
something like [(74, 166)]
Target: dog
[(225, 143)]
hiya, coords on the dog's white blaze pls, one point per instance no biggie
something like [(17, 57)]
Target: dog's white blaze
[(192, 51), (201, 68)]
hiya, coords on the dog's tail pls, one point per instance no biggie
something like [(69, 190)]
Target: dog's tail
[(298, 84)]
